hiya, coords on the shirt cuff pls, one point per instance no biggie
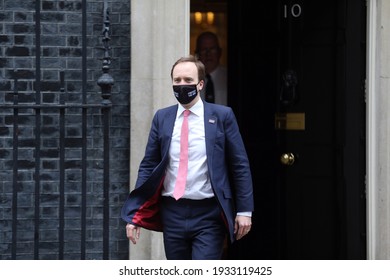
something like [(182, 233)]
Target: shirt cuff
[(248, 214)]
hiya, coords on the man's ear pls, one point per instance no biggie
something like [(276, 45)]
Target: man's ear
[(200, 85)]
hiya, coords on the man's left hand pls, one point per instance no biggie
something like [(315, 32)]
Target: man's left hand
[(242, 226)]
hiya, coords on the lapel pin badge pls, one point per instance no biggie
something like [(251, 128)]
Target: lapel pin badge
[(211, 121)]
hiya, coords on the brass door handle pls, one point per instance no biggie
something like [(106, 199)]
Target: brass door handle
[(287, 158)]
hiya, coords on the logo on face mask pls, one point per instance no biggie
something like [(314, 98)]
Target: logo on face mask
[(185, 93)]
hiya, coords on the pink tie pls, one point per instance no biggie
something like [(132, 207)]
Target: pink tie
[(183, 164)]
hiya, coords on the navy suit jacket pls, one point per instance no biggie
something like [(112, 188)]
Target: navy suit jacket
[(227, 161)]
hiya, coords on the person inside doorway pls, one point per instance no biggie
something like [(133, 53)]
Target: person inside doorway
[(208, 51)]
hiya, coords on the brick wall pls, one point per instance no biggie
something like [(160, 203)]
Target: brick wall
[(61, 50)]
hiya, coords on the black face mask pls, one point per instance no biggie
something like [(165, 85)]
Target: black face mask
[(185, 93)]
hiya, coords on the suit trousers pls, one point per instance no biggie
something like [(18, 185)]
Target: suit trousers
[(192, 229)]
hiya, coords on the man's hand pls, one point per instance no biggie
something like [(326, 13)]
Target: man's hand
[(242, 226), (133, 233)]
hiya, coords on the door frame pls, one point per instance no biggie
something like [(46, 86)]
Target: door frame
[(372, 130)]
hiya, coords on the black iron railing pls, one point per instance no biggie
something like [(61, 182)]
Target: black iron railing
[(60, 109)]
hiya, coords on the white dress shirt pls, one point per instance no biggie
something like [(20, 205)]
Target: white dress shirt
[(198, 184), (219, 77)]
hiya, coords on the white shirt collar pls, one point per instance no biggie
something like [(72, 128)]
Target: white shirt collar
[(196, 109)]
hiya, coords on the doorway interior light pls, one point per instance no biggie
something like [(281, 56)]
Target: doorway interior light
[(198, 17), (209, 17)]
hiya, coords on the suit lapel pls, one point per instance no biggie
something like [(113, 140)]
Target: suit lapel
[(168, 123), (210, 129)]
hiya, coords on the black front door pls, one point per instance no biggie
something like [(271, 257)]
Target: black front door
[(296, 76)]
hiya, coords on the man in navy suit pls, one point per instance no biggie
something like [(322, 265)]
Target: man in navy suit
[(218, 196)]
